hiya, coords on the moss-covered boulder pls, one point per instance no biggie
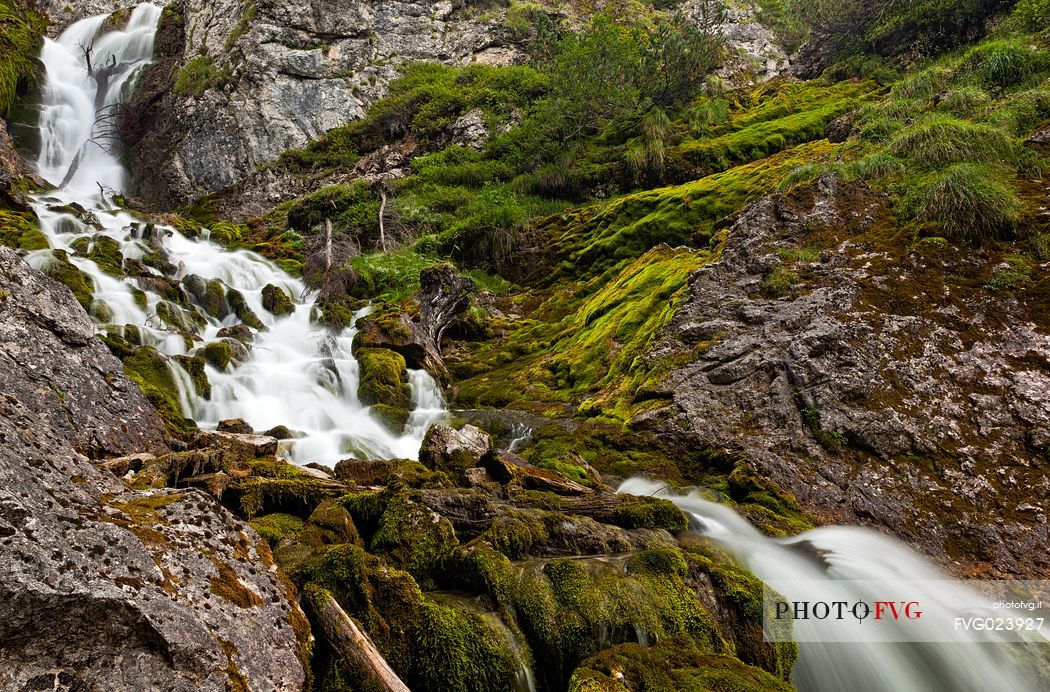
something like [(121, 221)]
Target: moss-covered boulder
[(103, 251), (410, 534), (430, 645), (383, 386), (194, 367), (670, 664), (59, 268), (242, 310), (210, 295), (454, 451), (218, 354), (276, 300)]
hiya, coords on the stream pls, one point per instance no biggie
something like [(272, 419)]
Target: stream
[(304, 376), (295, 373)]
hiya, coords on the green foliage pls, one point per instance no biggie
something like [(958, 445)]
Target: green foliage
[(22, 28), (388, 276), (425, 100), (670, 664), (200, 74), (274, 527), (1003, 64), (969, 202), (1034, 14)]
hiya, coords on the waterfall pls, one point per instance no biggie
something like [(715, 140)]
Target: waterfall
[(850, 563), (294, 372)]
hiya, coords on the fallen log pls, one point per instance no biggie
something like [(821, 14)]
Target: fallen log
[(349, 641)]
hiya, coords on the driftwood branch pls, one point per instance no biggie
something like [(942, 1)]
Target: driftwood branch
[(349, 641)]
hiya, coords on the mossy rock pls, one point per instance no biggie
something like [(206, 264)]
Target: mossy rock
[(194, 365), (59, 268), (294, 495), (392, 417), (149, 370), (670, 664), (277, 527), (181, 319), (383, 379), (218, 354), (242, 310), (571, 609), (210, 295), (412, 536), (650, 514), (276, 300), (429, 645), (103, 251)]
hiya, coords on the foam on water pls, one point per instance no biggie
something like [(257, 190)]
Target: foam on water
[(297, 374)]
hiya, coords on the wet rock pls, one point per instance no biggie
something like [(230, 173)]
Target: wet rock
[(235, 425), (237, 446), (244, 312), (276, 300), (208, 294), (507, 467), (238, 332), (454, 451), (279, 432)]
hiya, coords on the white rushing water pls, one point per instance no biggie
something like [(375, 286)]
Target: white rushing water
[(850, 564), (295, 373)]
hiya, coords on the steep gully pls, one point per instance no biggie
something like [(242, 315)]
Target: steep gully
[(304, 376)]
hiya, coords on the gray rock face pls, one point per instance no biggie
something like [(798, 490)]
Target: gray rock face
[(865, 395), (47, 344), (103, 587), (285, 72)]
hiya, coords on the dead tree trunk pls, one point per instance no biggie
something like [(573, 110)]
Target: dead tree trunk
[(348, 641), (382, 210)]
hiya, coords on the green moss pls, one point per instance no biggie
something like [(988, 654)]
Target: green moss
[(20, 230), (59, 268), (22, 29), (104, 251), (777, 117), (413, 537), (194, 366), (597, 237), (242, 310), (276, 300), (200, 74), (429, 645), (218, 354), (574, 608), (275, 527), (650, 514), (383, 378), (149, 370), (671, 664)]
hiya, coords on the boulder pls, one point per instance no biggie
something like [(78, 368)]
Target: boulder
[(235, 425), (454, 451), (276, 300)]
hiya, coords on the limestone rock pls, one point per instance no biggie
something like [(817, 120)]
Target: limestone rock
[(454, 451), (47, 343), (869, 398)]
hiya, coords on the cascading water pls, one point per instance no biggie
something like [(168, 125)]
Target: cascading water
[(294, 373), (850, 564)]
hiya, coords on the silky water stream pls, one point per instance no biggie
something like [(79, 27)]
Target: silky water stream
[(295, 373)]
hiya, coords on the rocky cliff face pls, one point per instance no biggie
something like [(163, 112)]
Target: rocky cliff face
[(242, 82), (237, 83), (104, 587), (878, 387)]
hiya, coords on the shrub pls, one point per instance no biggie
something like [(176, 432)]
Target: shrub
[(1002, 64), (200, 74), (940, 141), (970, 202), (1033, 14)]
